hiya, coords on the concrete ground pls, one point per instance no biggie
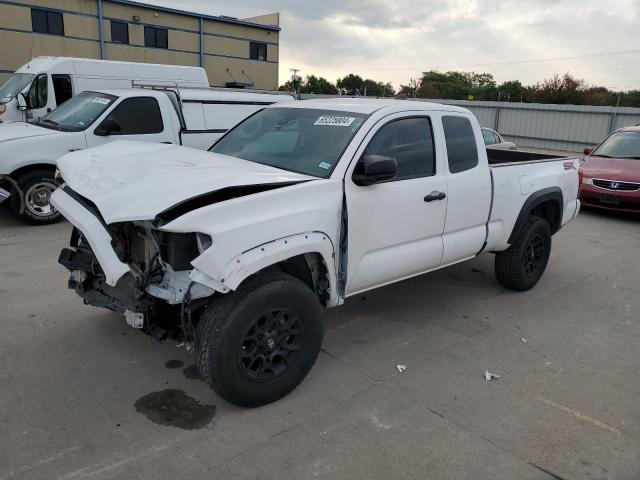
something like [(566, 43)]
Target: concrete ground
[(566, 405)]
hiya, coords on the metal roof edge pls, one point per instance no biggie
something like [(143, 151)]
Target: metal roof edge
[(214, 18)]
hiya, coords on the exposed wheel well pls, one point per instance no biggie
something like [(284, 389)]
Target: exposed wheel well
[(546, 204), (308, 267), (550, 211), (29, 168)]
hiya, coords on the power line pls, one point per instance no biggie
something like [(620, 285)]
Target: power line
[(510, 62)]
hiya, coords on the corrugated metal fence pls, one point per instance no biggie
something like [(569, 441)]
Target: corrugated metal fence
[(554, 127)]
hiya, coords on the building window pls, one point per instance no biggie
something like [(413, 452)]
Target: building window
[(155, 37), (47, 21), (119, 32), (258, 51)]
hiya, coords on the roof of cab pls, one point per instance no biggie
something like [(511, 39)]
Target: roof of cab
[(369, 105)]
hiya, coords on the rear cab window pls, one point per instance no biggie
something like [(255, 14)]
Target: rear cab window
[(462, 150)]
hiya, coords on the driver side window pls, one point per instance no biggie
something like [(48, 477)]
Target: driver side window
[(37, 95), (410, 142)]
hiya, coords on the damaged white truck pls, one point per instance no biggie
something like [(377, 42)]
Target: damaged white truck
[(298, 207)]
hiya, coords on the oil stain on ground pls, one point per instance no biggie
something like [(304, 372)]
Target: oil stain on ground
[(174, 364), (191, 372), (174, 408)]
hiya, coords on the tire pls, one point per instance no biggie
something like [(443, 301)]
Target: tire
[(521, 266), (255, 345), (31, 204)]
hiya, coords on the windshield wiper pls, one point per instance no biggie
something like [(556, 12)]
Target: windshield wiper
[(50, 122)]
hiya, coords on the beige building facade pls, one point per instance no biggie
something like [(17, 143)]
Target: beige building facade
[(234, 52)]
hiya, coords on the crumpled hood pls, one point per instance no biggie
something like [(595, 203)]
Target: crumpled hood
[(137, 180), (18, 130)]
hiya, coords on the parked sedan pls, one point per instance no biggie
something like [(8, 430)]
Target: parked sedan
[(493, 139), (610, 174)]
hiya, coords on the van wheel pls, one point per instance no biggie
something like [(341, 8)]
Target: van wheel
[(523, 263), (32, 204), (255, 345)]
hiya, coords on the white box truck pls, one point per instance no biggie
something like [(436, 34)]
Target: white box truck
[(47, 82)]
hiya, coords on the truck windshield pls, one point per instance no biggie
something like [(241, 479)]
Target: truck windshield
[(78, 113), (16, 83), (302, 140), (620, 145)]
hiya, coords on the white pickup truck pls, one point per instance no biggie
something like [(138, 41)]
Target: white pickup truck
[(191, 117), (299, 206)]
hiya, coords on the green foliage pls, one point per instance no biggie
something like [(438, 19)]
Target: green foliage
[(453, 85), (311, 84)]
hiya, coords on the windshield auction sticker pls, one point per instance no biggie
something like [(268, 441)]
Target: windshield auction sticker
[(103, 101), (335, 121)]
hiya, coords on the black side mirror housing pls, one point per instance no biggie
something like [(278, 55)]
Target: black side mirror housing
[(22, 102), (372, 169), (108, 127)]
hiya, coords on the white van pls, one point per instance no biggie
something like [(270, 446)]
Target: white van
[(195, 118), (47, 82)]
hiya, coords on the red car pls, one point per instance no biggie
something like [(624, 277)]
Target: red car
[(610, 174)]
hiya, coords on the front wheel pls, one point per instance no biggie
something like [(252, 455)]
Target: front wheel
[(32, 204), (523, 263), (255, 345)]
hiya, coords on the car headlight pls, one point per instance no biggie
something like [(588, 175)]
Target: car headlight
[(204, 241), (587, 181)]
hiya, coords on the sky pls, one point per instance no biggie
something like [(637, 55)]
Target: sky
[(393, 41)]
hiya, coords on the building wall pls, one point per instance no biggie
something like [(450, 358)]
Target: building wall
[(226, 53)]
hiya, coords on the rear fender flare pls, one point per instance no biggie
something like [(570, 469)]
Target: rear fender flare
[(537, 198)]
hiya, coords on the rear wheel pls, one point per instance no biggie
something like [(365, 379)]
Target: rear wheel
[(521, 266), (32, 204), (255, 345)]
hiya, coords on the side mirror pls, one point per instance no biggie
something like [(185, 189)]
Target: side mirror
[(108, 127), (373, 169), (22, 102), (588, 150)]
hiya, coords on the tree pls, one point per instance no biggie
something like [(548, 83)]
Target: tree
[(512, 91), (564, 89), (350, 84), (319, 85), (311, 84), (457, 85)]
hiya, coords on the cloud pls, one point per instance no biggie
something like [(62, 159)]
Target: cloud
[(393, 41)]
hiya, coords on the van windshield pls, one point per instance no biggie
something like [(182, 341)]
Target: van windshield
[(78, 113), (14, 85), (302, 140)]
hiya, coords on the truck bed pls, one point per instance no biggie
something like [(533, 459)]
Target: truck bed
[(499, 158)]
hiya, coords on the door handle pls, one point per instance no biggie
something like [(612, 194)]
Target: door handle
[(434, 196)]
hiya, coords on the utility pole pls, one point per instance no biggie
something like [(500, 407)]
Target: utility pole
[(295, 79)]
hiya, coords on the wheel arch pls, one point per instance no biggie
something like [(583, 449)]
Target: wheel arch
[(547, 204), (306, 256), (31, 167)]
